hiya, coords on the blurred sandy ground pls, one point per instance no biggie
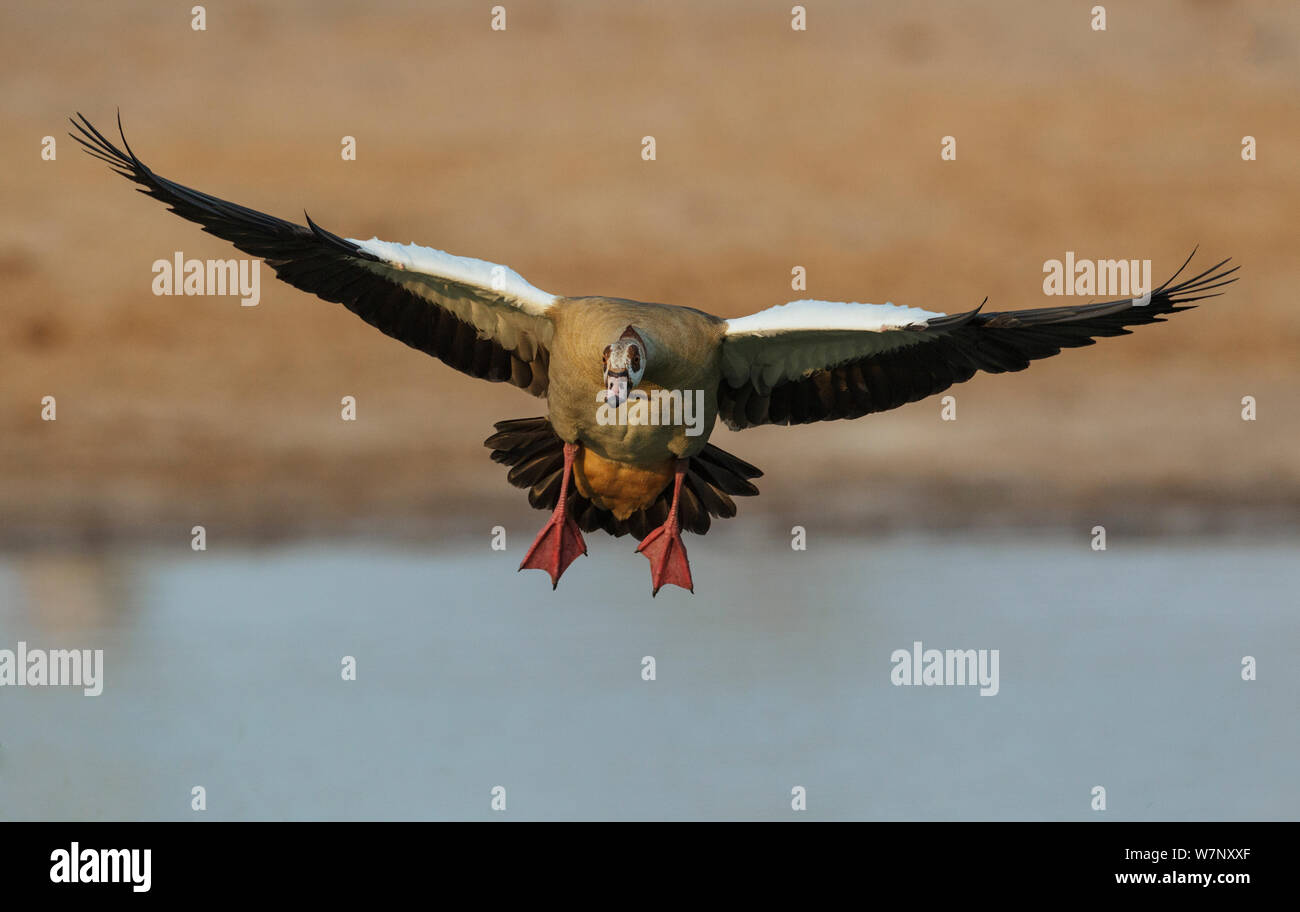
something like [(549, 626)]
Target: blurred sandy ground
[(775, 148)]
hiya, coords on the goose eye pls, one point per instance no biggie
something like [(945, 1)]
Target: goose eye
[(635, 352)]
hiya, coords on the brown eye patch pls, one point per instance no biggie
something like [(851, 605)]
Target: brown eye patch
[(604, 356), (635, 351)]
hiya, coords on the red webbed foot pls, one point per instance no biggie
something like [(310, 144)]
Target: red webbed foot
[(560, 541), (664, 547)]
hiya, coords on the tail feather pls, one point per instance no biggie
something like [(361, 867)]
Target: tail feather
[(535, 455)]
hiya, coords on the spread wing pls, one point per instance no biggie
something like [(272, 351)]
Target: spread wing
[(819, 361), (480, 318)]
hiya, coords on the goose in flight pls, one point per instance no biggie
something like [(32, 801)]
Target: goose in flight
[(633, 390)]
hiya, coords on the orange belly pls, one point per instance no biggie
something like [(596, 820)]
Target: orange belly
[(620, 488)]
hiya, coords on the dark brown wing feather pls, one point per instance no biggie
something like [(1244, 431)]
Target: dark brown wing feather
[(330, 267), (950, 350)]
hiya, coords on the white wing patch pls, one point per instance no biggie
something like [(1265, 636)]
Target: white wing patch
[(494, 299), (490, 277), (790, 341), (829, 315)]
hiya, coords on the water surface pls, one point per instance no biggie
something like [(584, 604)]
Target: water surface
[(1120, 669)]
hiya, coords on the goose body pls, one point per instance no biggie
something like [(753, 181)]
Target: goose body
[(683, 353), (598, 361)]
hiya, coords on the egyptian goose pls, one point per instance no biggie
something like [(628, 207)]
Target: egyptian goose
[(633, 390)]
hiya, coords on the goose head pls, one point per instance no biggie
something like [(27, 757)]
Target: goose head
[(624, 366)]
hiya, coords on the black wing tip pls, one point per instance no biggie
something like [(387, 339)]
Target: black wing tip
[(122, 133), (1196, 287), (99, 146), (1190, 289), (190, 204)]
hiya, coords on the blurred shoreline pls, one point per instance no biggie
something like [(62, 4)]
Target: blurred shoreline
[(869, 512)]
